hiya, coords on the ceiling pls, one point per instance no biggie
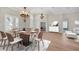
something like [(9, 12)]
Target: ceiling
[(48, 10)]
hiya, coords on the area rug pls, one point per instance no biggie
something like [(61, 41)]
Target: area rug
[(42, 47), (31, 47)]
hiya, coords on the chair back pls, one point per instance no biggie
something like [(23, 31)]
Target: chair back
[(40, 35), (3, 34), (28, 29), (9, 37), (37, 30), (0, 36)]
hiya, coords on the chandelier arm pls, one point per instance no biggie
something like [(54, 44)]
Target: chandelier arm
[(24, 14)]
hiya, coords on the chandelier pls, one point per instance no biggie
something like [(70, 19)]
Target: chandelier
[(42, 16), (24, 14)]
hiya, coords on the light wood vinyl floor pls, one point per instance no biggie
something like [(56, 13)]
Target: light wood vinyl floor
[(60, 43)]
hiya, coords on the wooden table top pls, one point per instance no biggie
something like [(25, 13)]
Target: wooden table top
[(25, 32)]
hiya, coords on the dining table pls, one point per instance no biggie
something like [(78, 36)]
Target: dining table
[(26, 37)]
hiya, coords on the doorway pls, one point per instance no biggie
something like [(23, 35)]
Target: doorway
[(43, 26)]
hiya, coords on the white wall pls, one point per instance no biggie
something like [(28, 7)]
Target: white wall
[(37, 20), (71, 19), (34, 20)]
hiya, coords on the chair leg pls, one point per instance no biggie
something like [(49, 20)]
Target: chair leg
[(4, 44), (18, 45), (38, 46), (1, 42), (12, 48), (43, 43), (7, 47), (21, 42), (33, 45)]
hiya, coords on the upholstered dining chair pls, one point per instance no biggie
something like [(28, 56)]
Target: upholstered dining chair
[(38, 39), (4, 38), (0, 40), (37, 31), (12, 41), (28, 29)]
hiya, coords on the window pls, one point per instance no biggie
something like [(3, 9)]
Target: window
[(65, 22), (11, 23), (76, 22), (16, 22), (8, 23)]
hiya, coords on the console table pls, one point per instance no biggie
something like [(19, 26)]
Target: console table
[(53, 29)]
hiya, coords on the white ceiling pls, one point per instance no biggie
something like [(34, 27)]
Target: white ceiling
[(48, 10)]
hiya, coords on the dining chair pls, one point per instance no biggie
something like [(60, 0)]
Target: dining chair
[(4, 38), (37, 31), (0, 40), (38, 39), (28, 29), (12, 41)]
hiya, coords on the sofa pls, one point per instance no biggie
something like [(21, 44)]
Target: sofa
[(76, 30), (71, 35)]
